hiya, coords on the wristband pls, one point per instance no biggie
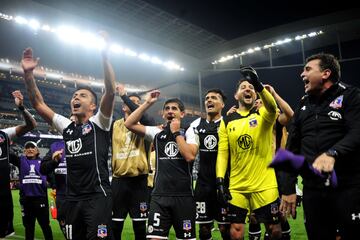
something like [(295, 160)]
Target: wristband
[(21, 108), (175, 134)]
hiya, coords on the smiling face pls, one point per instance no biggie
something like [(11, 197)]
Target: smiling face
[(82, 103), (246, 95), (314, 77)]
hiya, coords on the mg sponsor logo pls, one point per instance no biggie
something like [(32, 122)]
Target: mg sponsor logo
[(334, 115), (210, 142), (245, 141), (74, 146), (171, 149)]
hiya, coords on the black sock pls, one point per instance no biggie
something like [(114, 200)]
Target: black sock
[(254, 231)]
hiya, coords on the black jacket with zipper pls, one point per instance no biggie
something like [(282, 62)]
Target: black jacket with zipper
[(331, 121)]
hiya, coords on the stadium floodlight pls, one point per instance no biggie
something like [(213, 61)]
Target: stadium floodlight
[(97, 84), (156, 60), (300, 37), (130, 52), (74, 36), (144, 57), (53, 75), (46, 28), (116, 48), (266, 46), (34, 24), (21, 20)]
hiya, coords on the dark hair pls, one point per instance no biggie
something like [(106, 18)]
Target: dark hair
[(218, 91), (175, 100), (241, 81), (328, 61), (134, 95), (91, 91)]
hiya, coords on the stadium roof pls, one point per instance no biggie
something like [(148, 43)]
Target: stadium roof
[(193, 33)]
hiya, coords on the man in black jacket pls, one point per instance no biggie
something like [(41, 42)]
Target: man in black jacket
[(326, 130)]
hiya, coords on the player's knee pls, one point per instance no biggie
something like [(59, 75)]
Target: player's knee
[(205, 231), (275, 231), (237, 231)]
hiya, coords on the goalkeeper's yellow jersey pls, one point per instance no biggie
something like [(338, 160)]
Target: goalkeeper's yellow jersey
[(246, 144)]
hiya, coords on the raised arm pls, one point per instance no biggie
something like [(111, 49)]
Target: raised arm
[(286, 111), (187, 150), (28, 63), (145, 119), (268, 101), (132, 122), (30, 122), (108, 99)]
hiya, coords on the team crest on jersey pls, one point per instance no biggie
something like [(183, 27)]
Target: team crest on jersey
[(171, 149), (210, 142), (102, 231), (274, 208), (74, 146), (223, 211), (337, 103), (187, 225), (2, 138), (86, 129), (245, 141), (253, 122), (143, 207)]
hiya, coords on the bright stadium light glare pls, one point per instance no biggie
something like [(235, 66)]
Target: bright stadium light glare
[(90, 40), (312, 34), (144, 57), (46, 28), (53, 75), (267, 46), (68, 34), (34, 24), (250, 50), (74, 36), (21, 20), (97, 84), (116, 48), (130, 52), (156, 60)]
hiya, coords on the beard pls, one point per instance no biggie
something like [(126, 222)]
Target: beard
[(247, 105)]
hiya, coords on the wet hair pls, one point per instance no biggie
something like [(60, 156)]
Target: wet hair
[(175, 100), (94, 96), (218, 91), (327, 61)]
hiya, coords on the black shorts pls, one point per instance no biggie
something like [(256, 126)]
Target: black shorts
[(130, 195), (7, 214), (268, 214), (207, 206), (178, 212), (88, 219)]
